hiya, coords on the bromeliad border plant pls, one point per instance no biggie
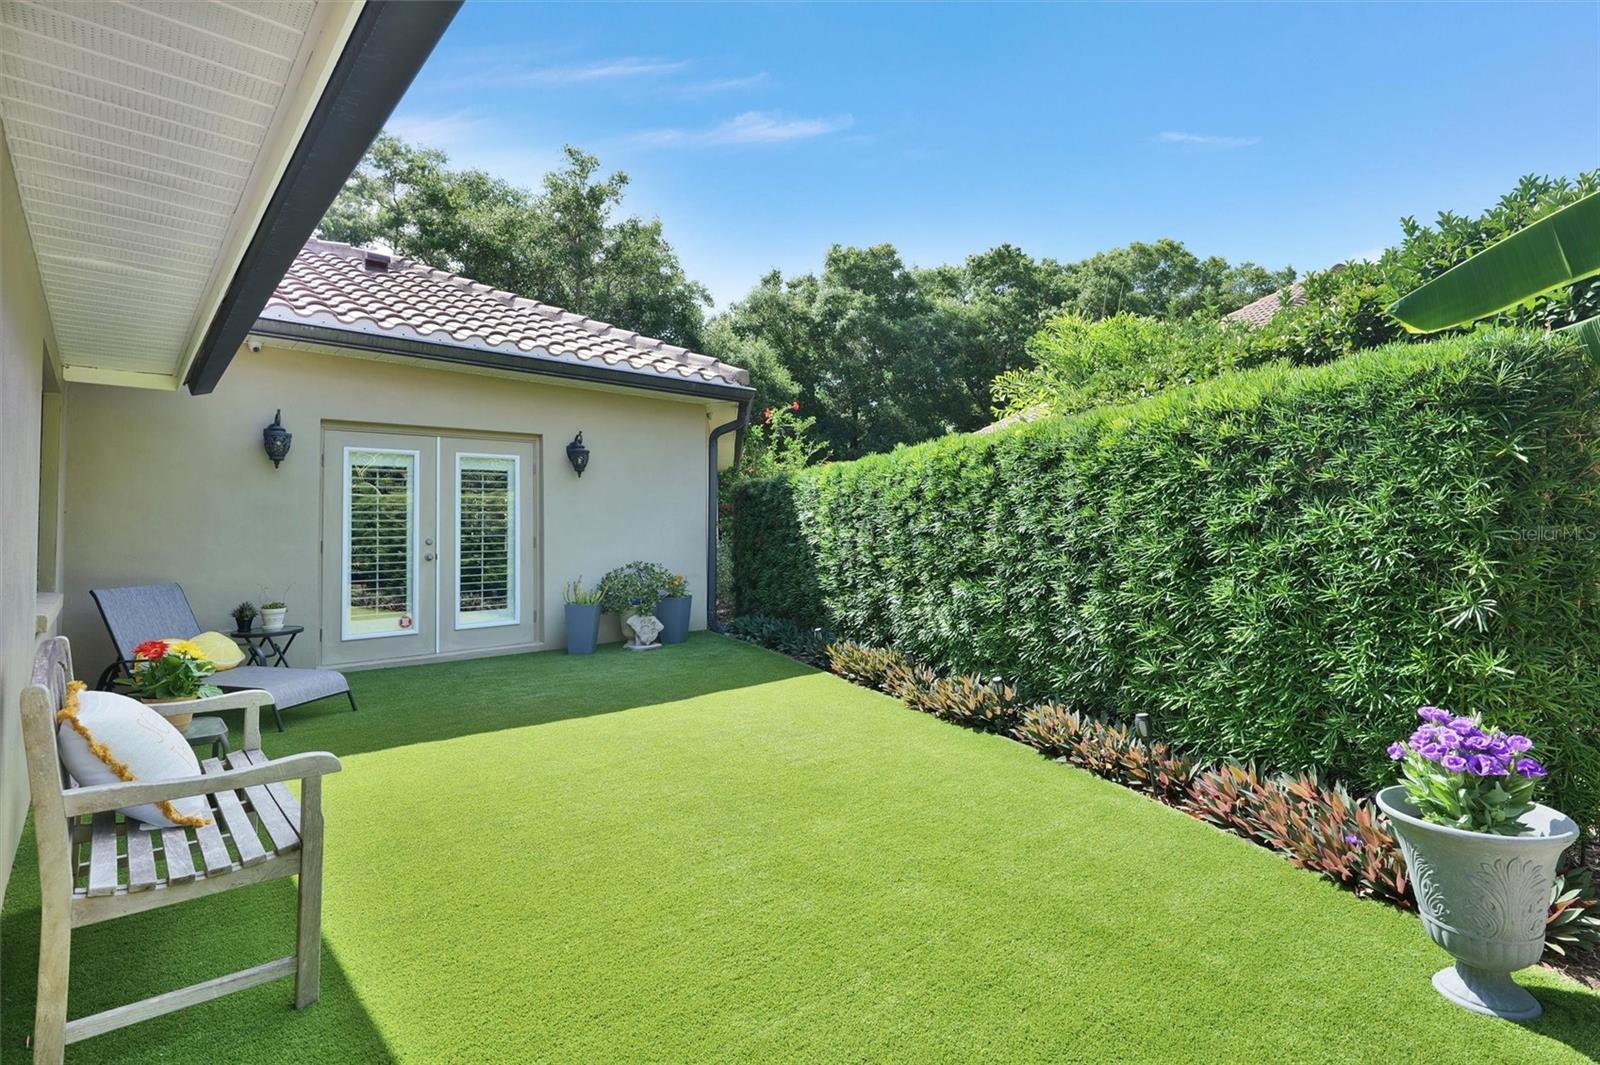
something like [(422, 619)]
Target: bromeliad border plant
[(1317, 825), (1464, 776), (170, 670)]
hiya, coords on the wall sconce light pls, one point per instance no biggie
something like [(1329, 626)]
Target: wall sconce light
[(276, 439), (577, 454)]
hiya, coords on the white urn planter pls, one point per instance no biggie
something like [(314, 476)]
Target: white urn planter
[(1484, 898), (646, 629), (273, 619)]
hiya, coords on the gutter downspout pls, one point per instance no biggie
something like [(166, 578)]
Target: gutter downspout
[(713, 510)]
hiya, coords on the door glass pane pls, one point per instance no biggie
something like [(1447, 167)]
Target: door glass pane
[(486, 538), (380, 585)]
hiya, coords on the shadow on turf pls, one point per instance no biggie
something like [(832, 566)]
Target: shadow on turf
[(160, 950), (403, 705), (1571, 1017)]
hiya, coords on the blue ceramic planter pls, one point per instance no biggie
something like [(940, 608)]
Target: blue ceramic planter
[(674, 617), (583, 628)]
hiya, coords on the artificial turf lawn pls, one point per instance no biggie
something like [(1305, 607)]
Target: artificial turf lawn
[(712, 853)]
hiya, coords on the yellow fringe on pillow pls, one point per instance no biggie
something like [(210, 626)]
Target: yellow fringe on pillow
[(69, 714)]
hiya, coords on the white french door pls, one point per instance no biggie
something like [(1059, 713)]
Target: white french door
[(428, 545)]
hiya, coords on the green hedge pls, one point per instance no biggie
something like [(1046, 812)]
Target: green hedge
[(1278, 565)]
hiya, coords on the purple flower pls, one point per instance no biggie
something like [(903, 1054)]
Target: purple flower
[(1425, 734), (1397, 751), (1352, 839), (1454, 762), (1482, 765), (1530, 769), (1462, 724), (1518, 744), (1431, 751), (1450, 738), (1434, 714), (1477, 742)]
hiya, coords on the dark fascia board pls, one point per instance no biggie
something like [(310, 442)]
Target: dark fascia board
[(388, 45), (549, 366)]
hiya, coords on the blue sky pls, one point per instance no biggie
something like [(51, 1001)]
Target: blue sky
[(762, 135)]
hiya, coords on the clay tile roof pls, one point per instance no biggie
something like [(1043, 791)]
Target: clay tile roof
[(1265, 309), (342, 287)]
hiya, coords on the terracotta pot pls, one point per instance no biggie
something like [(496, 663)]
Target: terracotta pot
[(1483, 898), (167, 709)]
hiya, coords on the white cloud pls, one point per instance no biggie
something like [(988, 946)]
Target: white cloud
[(716, 85), (1204, 140), (751, 127), (583, 73)]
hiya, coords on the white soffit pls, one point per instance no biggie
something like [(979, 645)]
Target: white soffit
[(148, 138)]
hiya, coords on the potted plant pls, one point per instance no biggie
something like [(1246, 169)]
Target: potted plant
[(1480, 852), (243, 615), (583, 617), (170, 671), (673, 609), (631, 592), (273, 615)]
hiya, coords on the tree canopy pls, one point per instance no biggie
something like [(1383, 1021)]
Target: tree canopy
[(561, 244), (877, 351)]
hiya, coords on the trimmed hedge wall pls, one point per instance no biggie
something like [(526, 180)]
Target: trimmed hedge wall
[(1278, 565)]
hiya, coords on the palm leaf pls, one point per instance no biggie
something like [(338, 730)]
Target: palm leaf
[(1557, 250)]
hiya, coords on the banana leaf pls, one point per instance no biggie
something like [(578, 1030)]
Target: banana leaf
[(1587, 331), (1557, 250)]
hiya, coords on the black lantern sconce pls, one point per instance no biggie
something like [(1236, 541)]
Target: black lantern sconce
[(578, 455), (276, 439)]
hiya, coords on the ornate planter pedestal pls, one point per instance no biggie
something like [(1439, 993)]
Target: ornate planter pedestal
[(1483, 898)]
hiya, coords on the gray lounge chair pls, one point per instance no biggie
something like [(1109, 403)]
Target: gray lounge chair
[(162, 611)]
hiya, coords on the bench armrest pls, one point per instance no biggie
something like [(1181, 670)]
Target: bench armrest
[(250, 700), (91, 800)]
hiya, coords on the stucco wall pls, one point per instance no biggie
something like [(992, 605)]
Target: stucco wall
[(165, 486), (24, 333)]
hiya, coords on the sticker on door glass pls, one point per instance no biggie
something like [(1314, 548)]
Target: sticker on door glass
[(405, 621)]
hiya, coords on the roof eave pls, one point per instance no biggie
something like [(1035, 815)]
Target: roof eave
[(387, 46), (592, 373)]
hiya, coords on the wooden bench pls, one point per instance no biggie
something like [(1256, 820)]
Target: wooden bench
[(95, 865)]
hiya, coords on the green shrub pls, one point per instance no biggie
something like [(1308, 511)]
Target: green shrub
[(808, 644), (634, 588), (1277, 565), (1079, 363)]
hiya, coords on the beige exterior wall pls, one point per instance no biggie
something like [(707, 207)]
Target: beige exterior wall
[(168, 486), (24, 338)]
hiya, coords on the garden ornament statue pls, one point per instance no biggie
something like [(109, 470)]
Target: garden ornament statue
[(646, 627)]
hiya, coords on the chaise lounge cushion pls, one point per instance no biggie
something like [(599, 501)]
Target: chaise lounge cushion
[(288, 687), (222, 651), (106, 738)]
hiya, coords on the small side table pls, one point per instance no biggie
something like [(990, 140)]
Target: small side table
[(262, 645), (213, 730)]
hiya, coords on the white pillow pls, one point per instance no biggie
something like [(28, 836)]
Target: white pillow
[(106, 738)]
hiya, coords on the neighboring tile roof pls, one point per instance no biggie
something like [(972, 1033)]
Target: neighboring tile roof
[(1265, 309), (338, 286)]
